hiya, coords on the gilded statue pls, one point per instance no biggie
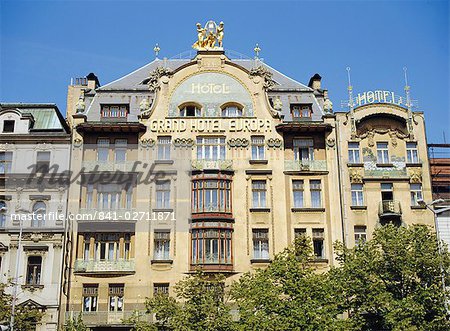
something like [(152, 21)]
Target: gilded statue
[(209, 36)]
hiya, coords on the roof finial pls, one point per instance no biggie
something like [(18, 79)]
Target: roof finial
[(156, 49), (257, 49), (408, 103), (350, 90)]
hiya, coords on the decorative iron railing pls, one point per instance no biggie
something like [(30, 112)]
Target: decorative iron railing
[(305, 165), (104, 266)]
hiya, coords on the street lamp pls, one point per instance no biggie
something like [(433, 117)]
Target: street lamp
[(437, 212)]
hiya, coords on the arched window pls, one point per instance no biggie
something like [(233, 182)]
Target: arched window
[(39, 213), (232, 109), (2, 214), (190, 109)]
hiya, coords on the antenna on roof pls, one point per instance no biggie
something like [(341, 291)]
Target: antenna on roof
[(156, 49), (350, 102), (408, 102)]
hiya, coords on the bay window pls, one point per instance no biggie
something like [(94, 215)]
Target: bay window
[(211, 195), (211, 243)]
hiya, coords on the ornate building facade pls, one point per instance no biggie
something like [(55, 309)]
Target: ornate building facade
[(217, 164), (34, 140)]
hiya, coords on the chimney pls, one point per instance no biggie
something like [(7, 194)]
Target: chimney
[(314, 82), (92, 81)]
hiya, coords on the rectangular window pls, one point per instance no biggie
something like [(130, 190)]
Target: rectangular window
[(34, 270), (116, 294), (303, 149), (89, 196), (3, 210), (109, 196), (353, 152), (160, 288), (164, 144), (107, 246), (261, 244), (315, 187), (161, 245), (318, 243), (297, 189), (412, 154), (163, 195), (299, 232), (259, 193), (211, 148), (382, 153), (258, 148), (357, 195), (8, 126), (102, 150), (5, 162), (416, 194), (90, 297), (114, 111), (211, 195), (301, 112), (360, 234), (42, 162), (120, 150), (211, 246)]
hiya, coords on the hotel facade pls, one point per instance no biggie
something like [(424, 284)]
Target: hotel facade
[(216, 163)]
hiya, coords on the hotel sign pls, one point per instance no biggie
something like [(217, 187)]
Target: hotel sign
[(210, 125), (378, 96)]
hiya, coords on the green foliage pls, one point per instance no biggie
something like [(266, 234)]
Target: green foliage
[(25, 318), (288, 294), (77, 324), (393, 282), (138, 325), (201, 306)]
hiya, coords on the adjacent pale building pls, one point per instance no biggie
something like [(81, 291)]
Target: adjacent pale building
[(33, 135)]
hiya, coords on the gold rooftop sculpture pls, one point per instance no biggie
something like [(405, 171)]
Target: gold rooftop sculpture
[(209, 37)]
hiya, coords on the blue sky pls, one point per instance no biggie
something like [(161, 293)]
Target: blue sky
[(45, 43)]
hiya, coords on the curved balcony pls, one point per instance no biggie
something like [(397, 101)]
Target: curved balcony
[(389, 211), (123, 267), (305, 165)]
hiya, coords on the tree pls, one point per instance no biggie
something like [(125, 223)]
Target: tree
[(77, 324), (288, 294), (25, 318), (201, 306), (138, 325), (393, 282)]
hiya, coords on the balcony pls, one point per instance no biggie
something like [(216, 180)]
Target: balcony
[(97, 318), (123, 267), (305, 165), (212, 164), (389, 211), (97, 166)]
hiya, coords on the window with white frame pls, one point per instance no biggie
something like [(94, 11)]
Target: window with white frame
[(90, 196), (90, 297), (360, 234), (259, 193), (297, 192), (120, 150), (261, 244), (160, 288), (210, 195), (42, 161), (300, 112), (232, 111), (258, 148), (211, 244), (353, 152), (163, 146), (211, 148), (114, 111), (163, 194), (116, 294), (39, 214), (382, 152), (161, 249), (34, 267), (102, 149), (416, 194), (303, 149), (315, 187), (190, 110), (108, 196), (5, 162), (318, 239), (412, 154), (357, 191), (106, 246)]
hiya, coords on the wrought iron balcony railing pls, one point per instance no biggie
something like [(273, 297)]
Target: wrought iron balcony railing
[(212, 164), (94, 318), (389, 208), (104, 266), (112, 166), (305, 165)]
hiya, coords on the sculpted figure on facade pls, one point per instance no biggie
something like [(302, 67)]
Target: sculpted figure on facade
[(153, 80), (208, 36), (262, 72)]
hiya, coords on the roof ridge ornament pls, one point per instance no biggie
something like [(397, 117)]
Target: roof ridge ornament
[(408, 104), (209, 36)]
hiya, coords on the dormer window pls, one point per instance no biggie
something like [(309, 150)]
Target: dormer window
[(8, 126), (190, 110), (114, 111), (301, 112), (231, 110)]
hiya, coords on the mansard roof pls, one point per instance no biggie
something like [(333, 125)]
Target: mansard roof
[(133, 81)]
